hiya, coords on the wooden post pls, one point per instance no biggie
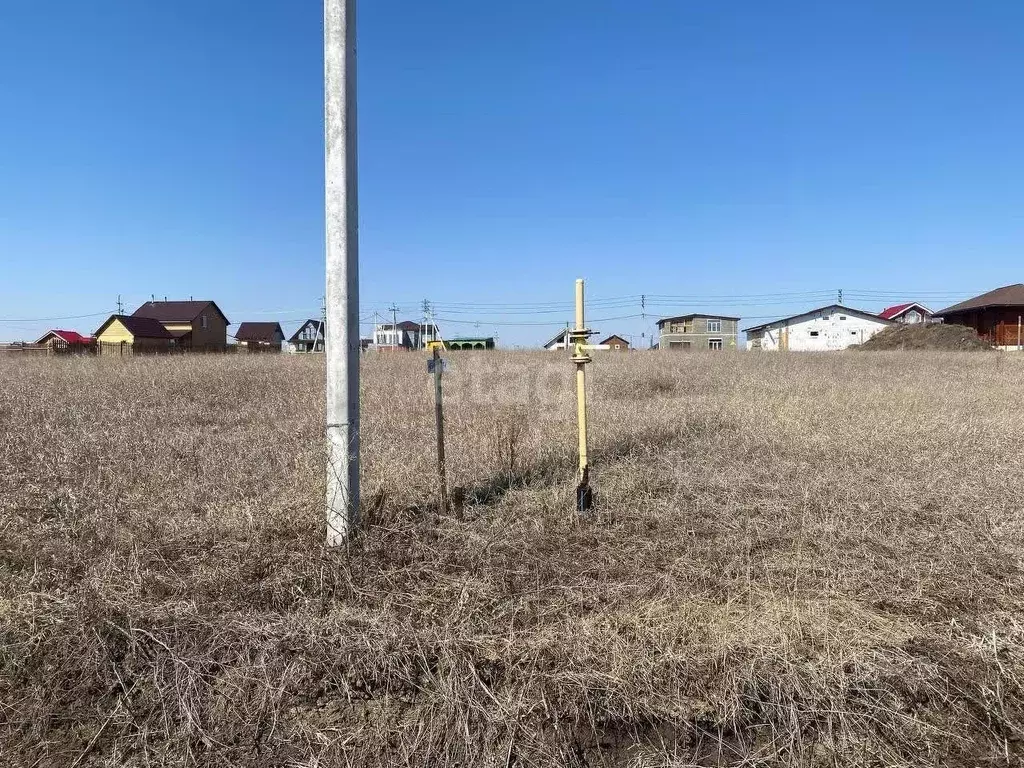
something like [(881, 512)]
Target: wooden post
[(442, 474)]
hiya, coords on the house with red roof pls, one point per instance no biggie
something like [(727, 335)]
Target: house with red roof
[(908, 313), (59, 341)]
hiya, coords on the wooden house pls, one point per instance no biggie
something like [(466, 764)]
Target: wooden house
[(62, 342), (195, 325), (616, 343), (996, 316), (130, 335), (260, 337)]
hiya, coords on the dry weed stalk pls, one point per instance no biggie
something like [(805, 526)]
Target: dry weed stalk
[(798, 560)]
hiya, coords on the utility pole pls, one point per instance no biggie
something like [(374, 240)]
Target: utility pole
[(120, 305), (394, 327), (426, 323), (341, 207), (840, 296)]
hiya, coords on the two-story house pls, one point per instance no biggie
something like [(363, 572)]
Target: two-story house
[(404, 335), (698, 331), (195, 325), (309, 337)]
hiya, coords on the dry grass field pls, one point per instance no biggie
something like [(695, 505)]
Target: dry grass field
[(799, 560)]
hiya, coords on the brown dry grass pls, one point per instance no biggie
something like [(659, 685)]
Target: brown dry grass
[(797, 560)]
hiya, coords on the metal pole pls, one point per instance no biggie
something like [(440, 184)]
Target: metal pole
[(578, 337), (394, 327), (342, 299), (581, 380), (442, 473), (1018, 332)]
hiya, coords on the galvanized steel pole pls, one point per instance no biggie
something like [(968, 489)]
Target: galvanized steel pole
[(342, 215)]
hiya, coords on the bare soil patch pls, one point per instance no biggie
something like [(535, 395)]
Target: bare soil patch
[(931, 336)]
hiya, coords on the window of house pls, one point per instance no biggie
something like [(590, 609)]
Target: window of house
[(853, 333), (714, 343), (675, 345), (715, 326), (842, 317), (814, 333), (202, 321), (618, 346)]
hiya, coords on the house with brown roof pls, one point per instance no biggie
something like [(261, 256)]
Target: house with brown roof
[(259, 337), (130, 335), (195, 325), (615, 343), (996, 315)]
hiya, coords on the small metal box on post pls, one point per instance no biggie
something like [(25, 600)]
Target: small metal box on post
[(578, 337)]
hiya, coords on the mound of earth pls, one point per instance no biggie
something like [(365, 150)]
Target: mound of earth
[(927, 336)]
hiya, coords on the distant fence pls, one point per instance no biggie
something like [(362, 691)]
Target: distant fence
[(61, 348), (33, 350), (119, 349), (127, 349)]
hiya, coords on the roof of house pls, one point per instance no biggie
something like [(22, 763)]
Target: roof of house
[(891, 313), (268, 332), (839, 307), (1007, 296), (692, 315), (177, 311), (616, 336), (71, 337), (140, 327), (318, 324), (557, 338)]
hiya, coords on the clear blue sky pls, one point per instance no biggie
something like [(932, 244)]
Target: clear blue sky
[(691, 148)]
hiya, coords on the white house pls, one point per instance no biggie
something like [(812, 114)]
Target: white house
[(404, 335), (829, 328), (559, 342)]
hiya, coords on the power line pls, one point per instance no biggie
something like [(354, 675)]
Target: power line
[(53, 319)]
